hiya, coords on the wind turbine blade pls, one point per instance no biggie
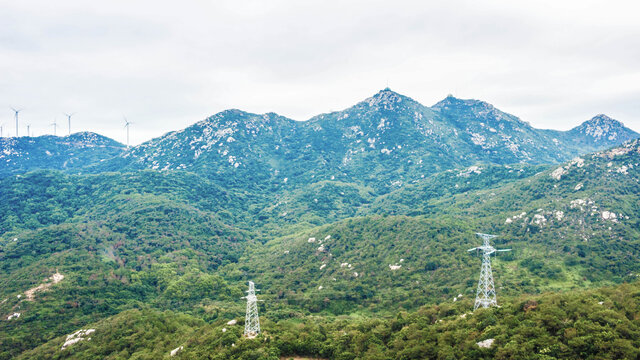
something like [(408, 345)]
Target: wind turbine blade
[(504, 250), (472, 249)]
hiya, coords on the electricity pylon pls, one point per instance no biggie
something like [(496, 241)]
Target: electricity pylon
[(486, 293), (251, 320)]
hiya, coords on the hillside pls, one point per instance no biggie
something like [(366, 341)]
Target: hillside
[(596, 324), (570, 227), (174, 240), (344, 221), (82, 253), (72, 152)]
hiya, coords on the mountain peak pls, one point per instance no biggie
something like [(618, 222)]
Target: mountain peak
[(473, 109), (603, 118), (386, 98), (604, 128), (452, 101), (91, 138)]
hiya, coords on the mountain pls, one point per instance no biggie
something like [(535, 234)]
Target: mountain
[(150, 235), (355, 225), (385, 141), (500, 137), (72, 152), (601, 132)]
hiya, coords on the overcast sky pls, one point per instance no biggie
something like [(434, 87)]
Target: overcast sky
[(166, 65)]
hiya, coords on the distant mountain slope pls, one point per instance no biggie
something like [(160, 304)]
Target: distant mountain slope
[(601, 132), (500, 137), (75, 151), (385, 141)]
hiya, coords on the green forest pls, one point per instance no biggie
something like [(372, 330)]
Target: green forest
[(154, 261)]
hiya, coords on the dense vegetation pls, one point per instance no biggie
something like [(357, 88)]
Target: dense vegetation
[(358, 257), (71, 153), (597, 324)]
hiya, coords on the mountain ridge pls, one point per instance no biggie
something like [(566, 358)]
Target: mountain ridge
[(385, 140), (72, 152)]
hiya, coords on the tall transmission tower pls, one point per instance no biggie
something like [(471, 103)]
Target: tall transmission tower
[(251, 321), (486, 293)]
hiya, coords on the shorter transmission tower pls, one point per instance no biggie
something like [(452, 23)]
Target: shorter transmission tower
[(251, 320), (486, 293)]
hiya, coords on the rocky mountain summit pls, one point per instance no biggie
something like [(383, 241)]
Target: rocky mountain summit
[(385, 140)]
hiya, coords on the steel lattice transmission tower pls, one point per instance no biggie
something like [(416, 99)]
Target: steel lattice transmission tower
[(486, 293), (251, 320)]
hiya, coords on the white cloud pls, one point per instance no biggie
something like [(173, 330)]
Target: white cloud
[(167, 65)]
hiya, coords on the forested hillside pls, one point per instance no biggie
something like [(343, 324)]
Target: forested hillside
[(73, 152), (595, 324), (355, 225)]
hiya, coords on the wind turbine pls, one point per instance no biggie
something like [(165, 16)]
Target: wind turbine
[(28, 127), (1, 126), (55, 126), (16, 115), (69, 120), (126, 125)]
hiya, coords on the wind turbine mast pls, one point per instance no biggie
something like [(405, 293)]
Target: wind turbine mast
[(486, 293), (28, 127), (55, 126), (69, 120), (16, 112), (251, 320), (127, 123)]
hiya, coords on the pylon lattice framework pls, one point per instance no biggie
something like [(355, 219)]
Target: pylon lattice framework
[(251, 321), (486, 293)]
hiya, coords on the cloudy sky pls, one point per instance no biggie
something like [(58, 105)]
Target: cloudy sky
[(166, 65)]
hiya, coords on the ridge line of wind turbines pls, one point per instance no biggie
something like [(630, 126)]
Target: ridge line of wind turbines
[(127, 124)]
